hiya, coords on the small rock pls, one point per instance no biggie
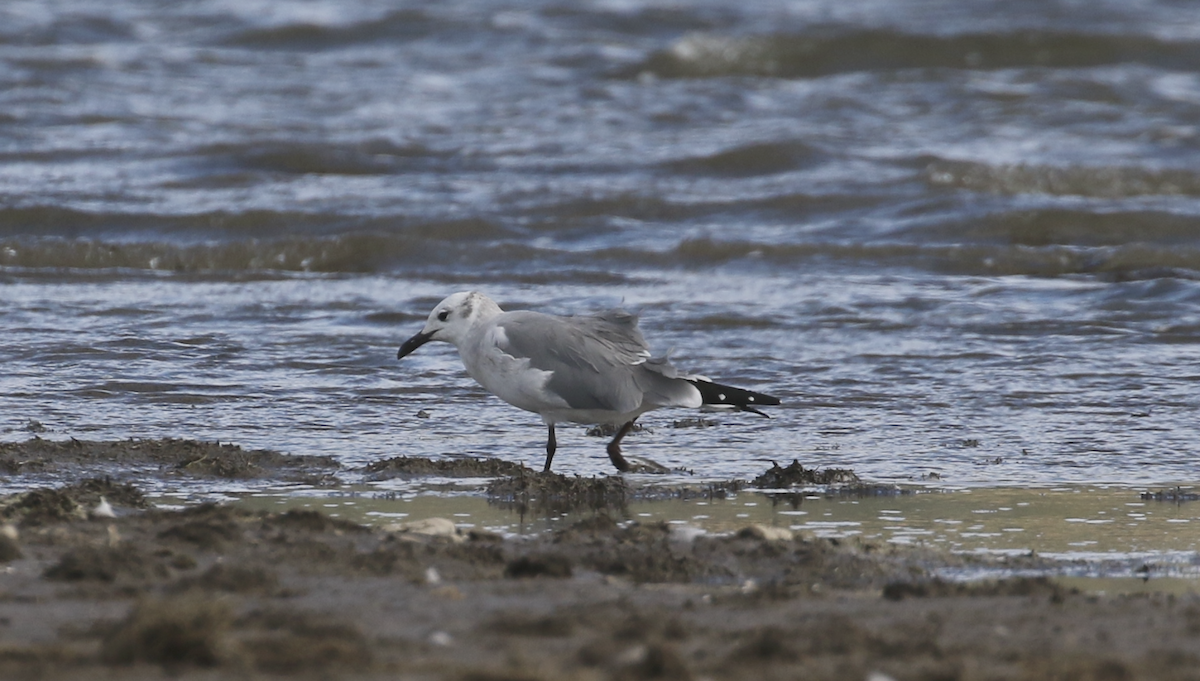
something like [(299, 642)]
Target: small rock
[(440, 638), (632, 655), (694, 423), (640, 464), (685, 534), (766, 533), (449, 592), (432, 576), (796, 475), (653, 661), (484, 536), (103, 510), (540, 565), (427, 528), (9, 548), (610, 429)]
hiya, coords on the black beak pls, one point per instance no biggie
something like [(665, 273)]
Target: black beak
[(414, 343)]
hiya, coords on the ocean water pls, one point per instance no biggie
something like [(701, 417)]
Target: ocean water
[(961, 240)]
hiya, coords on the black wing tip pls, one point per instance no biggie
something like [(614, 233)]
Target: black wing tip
[(766, 400)]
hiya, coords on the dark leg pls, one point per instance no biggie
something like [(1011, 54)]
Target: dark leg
[(551, 445), (614, 448)]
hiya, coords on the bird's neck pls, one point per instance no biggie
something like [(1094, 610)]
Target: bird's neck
[(484, 309)]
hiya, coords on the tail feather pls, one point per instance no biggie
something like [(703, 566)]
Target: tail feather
[(729, 396)]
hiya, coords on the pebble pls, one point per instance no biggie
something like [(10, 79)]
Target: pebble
[(685, 534), (428, 527), (767, 533), (449, 592), (632, 655), (441, 638), (103, 510)]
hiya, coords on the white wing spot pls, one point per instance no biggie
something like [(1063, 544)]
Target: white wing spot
[(721, 397), (750, 398)]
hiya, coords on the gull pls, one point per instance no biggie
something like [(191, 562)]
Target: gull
[(594, 369)]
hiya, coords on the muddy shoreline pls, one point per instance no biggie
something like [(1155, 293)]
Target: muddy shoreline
[(218, 591)]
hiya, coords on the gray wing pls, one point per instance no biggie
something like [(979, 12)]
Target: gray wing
[(594, 360)]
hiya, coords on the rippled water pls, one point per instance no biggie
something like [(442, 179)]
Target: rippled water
[(962, 241)]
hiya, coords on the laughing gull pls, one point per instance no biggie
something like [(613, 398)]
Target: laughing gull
[(585, 369)]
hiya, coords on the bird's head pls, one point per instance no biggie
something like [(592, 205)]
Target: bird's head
[(451, 319)]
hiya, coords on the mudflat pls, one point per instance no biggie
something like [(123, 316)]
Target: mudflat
[(221, 591)]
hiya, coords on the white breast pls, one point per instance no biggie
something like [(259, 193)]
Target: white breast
[(509, 378)]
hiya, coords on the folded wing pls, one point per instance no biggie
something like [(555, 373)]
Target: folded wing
[(593, 360)]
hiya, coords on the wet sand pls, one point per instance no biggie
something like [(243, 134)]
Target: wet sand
[(223, 591)]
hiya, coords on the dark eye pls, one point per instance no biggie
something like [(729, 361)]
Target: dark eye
[(443, 315)]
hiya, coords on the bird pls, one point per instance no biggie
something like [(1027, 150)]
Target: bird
[(592, 369)]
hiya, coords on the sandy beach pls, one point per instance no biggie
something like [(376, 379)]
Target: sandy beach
[(220, 591)]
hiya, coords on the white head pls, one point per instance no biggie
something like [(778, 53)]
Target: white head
[(452, 319)]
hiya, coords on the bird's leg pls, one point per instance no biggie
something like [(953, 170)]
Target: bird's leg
[(551, 445), (614, 448)]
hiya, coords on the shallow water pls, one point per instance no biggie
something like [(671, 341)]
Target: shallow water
[(1083, 535), (958, 241), (995, 520)]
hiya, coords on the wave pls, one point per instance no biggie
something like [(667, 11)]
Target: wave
[(766, 158), (1100, 182), (1067, 227), (397, 26), (786, 207), (299, 158), (234, 163), (545, 243), (1125, 263), (832, 51), (68, 28), (38, 222), (354, 253), (278, 244), (631, 19), (423, 257)]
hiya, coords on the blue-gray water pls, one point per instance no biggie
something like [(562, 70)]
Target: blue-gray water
[(958, 239)]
